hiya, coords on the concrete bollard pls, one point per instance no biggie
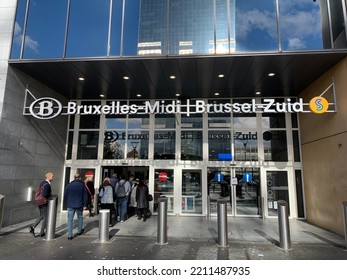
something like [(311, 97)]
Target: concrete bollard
[(162, 222), (51, 217), (222, 223), (104, 219), (283, 225)]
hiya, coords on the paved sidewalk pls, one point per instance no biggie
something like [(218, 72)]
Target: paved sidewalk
[(189, 238)]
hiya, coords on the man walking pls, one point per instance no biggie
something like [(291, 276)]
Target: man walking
[(76, 197), (123, 189)]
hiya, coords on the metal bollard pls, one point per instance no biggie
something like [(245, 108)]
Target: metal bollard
[(96, 203), (162, 221), (222, 223), (103, 225), (283, 224), (344, 205), (51, 217), (2, 209)]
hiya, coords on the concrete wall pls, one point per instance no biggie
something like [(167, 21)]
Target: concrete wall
[(28, 148), (324, 153)]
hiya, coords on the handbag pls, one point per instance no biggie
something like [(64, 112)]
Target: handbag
[(150, 197)]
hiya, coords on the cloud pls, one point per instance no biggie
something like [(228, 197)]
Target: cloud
[(29, 42)]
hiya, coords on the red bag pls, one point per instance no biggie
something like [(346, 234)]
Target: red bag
[(39, 198)]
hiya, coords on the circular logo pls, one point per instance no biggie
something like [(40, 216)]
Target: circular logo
[(45, 108), (319, 105), (162, 176)]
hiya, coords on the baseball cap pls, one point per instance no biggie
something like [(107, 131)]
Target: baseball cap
[(89, 173)]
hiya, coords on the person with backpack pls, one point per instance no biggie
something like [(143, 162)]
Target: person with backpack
[(106, 198), (122, 191), (46, 192)]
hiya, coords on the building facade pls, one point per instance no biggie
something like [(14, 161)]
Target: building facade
[(205, 99)]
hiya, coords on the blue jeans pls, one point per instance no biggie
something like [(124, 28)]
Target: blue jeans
[(122, 205), (70, 216)]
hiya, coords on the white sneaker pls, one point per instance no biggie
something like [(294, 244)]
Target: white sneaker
[(118, 218), (122, 221)]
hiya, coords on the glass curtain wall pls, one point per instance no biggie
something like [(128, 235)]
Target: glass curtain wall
[(90, 28)]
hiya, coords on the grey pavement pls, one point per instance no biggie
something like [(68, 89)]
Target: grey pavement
[(189, 238)]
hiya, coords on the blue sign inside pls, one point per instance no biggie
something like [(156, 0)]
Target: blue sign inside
[(225, 157), (219, 177), (247, 177)]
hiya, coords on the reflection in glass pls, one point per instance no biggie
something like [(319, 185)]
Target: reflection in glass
[(219, 121), (299, 194), (337, 24), (116, 27), (273, 120), (244, 120), (164, 186), (134, 122), (246, 145), (191, 145), (165, 121), (276, 148), (191, 27), (137, 144), (222, 32), (193, 121), (45, 32), (219, 143), (277, 189), (18, 29), (191, 192), (153, 25), (118, 122), (296, 146), (164, 144), (88, 28), (131, 27), (256, 26), (114, 144), (87, 145), (69, 145), (301, 26)]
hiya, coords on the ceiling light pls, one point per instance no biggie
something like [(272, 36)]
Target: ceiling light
[(138, 95), (258, 92), (178, 94), (221, 76), (271, 74), (172, 77), (126, 78), (102, 95), (81, 78), (216, 93)]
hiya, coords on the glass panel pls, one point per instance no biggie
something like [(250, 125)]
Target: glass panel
[(18, 29), (194, 121), (294, 16), (89, 121), (222, 31), (71, 121), (338, 24), (219, 121), (245, 120), (256, 26), (164, 144), (88, 145), (165, 121), (191, 145), (191, 27), (275, 149), (219, 188), (116, 27), (131, 27), (134, 122), (299, 194), (66, 181), (45, 33), (114, 144), (273, 120), (69, 145), (138, 144), (296, 146), (294, 117), (247, 191), (153, 28), (232, 4), (246, 145), (118, 122), (191, 192), (219, 145), (277, 189), (164, 186), (88, 28)]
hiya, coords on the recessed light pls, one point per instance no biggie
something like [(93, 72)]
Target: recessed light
[(138, 95), (172, 77), (258, 92), (102, 95), (271, 74), (81, 78), (221, 76), (216, 93), (126, 78), (178, 94)]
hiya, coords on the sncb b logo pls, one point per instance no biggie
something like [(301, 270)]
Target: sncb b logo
[(45, 108), (319, 105)]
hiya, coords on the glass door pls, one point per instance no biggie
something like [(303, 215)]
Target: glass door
[(240, 187), (191, 198), (164, 186)]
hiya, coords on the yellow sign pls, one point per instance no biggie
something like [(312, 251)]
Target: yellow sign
[(319, 105)]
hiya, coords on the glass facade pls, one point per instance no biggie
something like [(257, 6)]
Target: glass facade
[(105, 28)]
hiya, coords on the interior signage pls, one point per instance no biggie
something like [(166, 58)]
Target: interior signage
[(48, 108)]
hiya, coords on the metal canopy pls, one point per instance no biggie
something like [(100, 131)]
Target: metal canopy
[(196, 77)]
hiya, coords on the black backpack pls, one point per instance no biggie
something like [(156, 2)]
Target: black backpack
[(121, 189)]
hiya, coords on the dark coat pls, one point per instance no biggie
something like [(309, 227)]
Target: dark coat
[(141, 196), (76, 194)]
